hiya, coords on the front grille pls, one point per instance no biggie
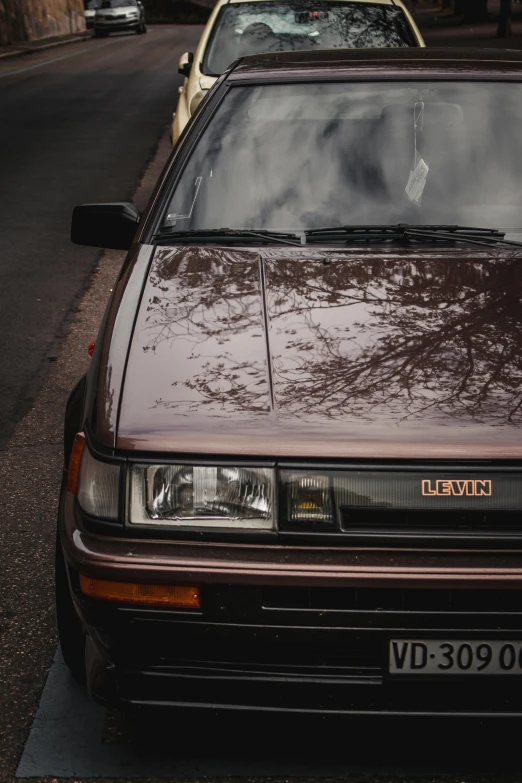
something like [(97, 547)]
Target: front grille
[(415, 503), (268, 647), (406, 521), (424, 601)]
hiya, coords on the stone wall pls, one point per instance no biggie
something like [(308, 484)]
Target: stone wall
[(27, 20)]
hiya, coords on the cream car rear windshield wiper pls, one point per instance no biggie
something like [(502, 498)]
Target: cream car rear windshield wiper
[(486, 237), (213, 236)]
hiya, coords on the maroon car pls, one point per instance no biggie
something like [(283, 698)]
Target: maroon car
[(293, 472)]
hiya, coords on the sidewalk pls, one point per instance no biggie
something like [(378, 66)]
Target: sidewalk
[(441, 29), (29, 47)]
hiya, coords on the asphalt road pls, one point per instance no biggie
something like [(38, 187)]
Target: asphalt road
[(77, 124)]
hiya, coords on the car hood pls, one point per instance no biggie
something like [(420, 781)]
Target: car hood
[(327, 354)]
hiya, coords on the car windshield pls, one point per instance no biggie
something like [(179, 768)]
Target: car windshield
[(91, 5), (117, 3), (293, 157), (258, 27)]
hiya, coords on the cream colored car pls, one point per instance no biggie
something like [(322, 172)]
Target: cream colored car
[(240, 27)]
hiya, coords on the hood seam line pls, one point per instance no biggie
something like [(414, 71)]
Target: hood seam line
[(264, 304)]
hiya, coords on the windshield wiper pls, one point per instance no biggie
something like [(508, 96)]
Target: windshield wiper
[(486, 237), (217, 234)]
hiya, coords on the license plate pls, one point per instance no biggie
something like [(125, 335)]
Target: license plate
[(437, 656)]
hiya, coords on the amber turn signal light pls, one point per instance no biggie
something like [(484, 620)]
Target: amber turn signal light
[(75, 460), (174, 596)]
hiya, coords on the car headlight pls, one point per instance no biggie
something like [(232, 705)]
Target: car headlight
[(203, 497), (98, 487)]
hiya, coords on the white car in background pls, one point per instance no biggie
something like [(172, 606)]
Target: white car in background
[(90, 7), (117, 16), (237, 28)]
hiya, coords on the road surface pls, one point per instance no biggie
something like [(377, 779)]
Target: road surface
[(77, 124)]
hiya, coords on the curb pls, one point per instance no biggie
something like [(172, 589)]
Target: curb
[(41, 48)]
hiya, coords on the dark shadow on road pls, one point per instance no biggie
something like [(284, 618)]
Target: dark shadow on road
[(321, 746)]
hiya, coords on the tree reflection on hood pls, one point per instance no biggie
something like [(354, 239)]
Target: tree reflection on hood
[(360, 337)]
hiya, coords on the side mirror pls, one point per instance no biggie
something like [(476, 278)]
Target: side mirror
[(185, 63), (105, 225)]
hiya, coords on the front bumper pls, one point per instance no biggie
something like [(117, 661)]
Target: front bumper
[(117, 26), (291, 629), (239, 653)]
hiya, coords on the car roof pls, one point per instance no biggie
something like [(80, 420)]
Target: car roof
[(379, 62)]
